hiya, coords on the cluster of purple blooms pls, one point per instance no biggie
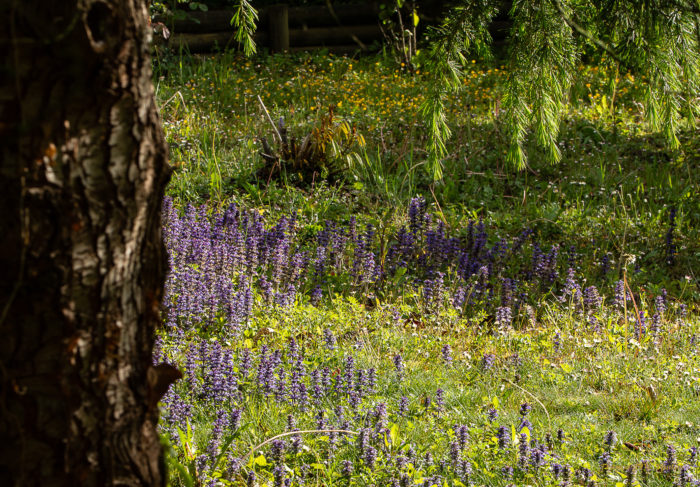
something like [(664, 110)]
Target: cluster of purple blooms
[(534, 455), (220, 381), (339, 394), (671, 250), (220, 261)]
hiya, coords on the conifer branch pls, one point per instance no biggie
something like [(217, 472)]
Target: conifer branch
[(585, 33)]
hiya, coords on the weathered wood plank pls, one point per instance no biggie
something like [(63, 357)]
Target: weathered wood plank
[(299, 39), (299, 17)]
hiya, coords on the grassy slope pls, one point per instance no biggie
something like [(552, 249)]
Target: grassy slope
[(616, 177), (610, 196)]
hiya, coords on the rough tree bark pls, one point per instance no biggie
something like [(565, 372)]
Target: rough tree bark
[(82, 171)]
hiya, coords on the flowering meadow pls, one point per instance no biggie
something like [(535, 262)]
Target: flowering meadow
[(499, 329)]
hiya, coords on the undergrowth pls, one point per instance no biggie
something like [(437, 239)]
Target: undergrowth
[(499, 328)]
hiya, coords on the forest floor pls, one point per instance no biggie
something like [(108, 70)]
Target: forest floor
[(497, 328)]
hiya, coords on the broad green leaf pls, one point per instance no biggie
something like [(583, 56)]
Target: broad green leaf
[(394, 433)]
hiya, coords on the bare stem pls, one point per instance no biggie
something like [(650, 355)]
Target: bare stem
[(279, 137), (292, 433), (549, 420), (581, 30)]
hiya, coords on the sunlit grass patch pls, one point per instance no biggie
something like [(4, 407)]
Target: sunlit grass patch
[(307, 308)]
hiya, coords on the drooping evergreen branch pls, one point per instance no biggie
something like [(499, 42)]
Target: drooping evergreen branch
[(244, 19), (657, 39), (462, 32), (542, 62), (585, 33)]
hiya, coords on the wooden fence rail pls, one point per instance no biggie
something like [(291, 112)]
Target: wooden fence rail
[(343, 28)]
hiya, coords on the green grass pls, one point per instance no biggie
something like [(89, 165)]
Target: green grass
[(610, 196), (615, 176), (588, 385)]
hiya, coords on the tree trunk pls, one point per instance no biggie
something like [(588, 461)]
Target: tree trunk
[(82, 172)]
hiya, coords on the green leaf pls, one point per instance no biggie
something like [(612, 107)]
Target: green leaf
[(186, 438), (394, 433), (183, 473), (416, 19), (224, 449)]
